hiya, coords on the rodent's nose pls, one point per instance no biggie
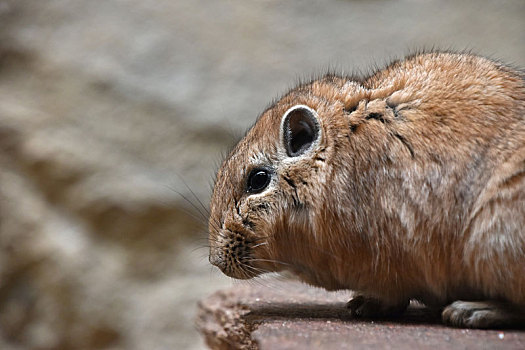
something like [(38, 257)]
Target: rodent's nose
[(217, 260)]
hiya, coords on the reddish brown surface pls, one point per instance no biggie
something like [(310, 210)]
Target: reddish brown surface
[(289, 315)]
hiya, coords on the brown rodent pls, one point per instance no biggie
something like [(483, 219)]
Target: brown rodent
[(408, 184)]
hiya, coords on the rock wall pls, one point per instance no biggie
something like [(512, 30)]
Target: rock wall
[(111, 111)]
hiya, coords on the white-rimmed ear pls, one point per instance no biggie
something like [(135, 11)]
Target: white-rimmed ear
[(300, 130)]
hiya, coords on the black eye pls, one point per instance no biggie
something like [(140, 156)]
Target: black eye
[(258, 180)]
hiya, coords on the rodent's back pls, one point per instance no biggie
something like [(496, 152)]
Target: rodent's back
[(462, 119), (458, 119), (414, 186)]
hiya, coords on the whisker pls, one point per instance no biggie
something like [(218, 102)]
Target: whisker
[(203, 258), (206, 210), (215, 224), (260, 244), (271, 261), (253, 279), (199, 248), (194, 195), (208, 239), (257, 239), (252, 268), (199, 220), (190, 202)]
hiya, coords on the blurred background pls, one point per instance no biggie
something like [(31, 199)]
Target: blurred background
[(111, 111)]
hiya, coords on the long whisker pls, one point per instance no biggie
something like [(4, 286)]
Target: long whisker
[(190, 202), (195, 249), (258, 239), (194, 217), (271, 261), (260, 244), (215, 223), (255, 270), (208, 239), (195, 196)]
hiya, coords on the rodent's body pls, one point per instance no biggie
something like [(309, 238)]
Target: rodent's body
[(410, 185)]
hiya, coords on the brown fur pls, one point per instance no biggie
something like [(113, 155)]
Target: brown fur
[(416, 190)]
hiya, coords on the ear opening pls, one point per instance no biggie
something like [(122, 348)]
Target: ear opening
[(300, 129)]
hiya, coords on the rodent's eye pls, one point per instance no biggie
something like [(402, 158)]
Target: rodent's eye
[(258, 180)]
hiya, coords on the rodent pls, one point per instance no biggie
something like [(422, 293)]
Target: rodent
[(406, 184)]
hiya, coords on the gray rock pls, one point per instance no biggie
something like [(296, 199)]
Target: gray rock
[(289, 315)]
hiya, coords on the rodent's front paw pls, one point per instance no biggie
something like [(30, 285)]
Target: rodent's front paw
[(479, 314), (368, 307)]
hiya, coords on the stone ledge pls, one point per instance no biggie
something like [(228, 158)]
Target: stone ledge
[(290, 315)]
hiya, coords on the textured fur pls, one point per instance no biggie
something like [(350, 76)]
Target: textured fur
[(416, 189)]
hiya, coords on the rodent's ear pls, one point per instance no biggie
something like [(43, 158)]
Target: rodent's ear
[(299, 129)]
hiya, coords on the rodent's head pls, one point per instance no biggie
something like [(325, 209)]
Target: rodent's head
[(267, 189)]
